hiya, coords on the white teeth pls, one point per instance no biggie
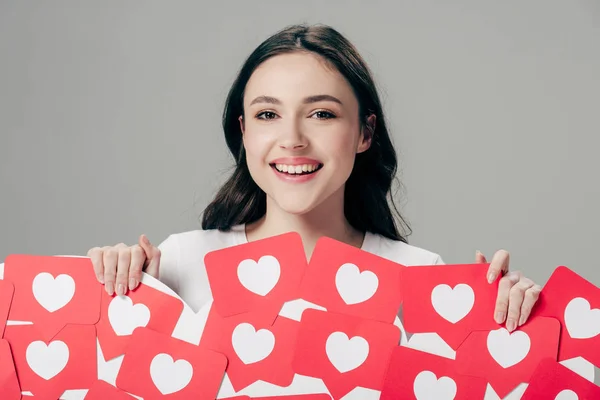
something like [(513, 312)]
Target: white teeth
[(296, 169)]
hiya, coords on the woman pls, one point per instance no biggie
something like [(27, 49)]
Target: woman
[(313, 155)]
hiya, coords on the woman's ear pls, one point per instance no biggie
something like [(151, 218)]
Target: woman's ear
[(241, 119), (366, 137)]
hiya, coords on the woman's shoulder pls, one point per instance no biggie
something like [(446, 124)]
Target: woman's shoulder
[(194, 244), (400, 252)]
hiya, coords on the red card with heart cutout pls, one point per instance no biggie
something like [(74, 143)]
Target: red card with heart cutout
[(451, 300), (102, 390), (348, 280), (158, 366), (47, 369), (506, 359), (552, 380), (245, 277), (413, 374), (344, 351), (7, 290), (142, 307), (575, 302), (296, 397), (53, 291), (258, 344), (9, 384)]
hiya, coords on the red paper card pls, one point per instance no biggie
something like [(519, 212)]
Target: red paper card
[(246, 276), (142, 307), (451, 300), (413, 374), (7, 290), (53, 291), (505, 359), (348, 280), (157, 366), (295, 397), (575, 302), (102, 390), (9, 384), (47, 369), (552, 380), (258, 344), (344, 351)]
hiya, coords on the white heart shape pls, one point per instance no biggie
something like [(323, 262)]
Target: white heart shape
[(354, 286), (508, 348), (428, 387), (170, 376), (453, 304), (250, 345), (346, 354), (53, 294), (47, 361), (581, 321), (567, 395), (124, 317), (259, 277)]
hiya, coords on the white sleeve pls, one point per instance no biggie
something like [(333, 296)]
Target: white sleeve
[(168, 272), (438, 260)]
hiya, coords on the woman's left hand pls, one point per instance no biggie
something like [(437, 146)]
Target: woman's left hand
[(516, 294)]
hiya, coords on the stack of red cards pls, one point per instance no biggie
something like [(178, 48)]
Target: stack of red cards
[(279, 327)]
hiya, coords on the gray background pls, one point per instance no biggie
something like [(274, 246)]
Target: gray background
[(110, 119)]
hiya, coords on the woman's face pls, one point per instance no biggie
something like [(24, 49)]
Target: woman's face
[(301, 131)]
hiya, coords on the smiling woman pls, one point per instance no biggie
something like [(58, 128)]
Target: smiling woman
[(313, 155)]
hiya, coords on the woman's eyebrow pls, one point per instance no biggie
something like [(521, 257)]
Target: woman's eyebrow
[(307, 100)]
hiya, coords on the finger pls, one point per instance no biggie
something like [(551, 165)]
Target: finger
[(515, 302), (138, 257), (531, 297), (110, 257), (502, 299), (123, 269), (498, 265), (480, 258), (95, 255), (152, 256)]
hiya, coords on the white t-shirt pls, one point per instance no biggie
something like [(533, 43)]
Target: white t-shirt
[(182, 258)]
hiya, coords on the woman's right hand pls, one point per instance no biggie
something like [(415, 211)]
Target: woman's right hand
[(120, 267)]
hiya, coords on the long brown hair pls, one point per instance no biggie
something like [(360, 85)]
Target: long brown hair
[(368, 201)]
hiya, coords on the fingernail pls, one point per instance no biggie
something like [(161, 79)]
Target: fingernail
[(499, 317), (511, 325), (522, 320), (100, 279), (132, 284), (120, 289), (146, 240), (110, 288), (491, 277)]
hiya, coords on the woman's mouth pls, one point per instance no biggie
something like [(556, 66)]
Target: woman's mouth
[(296, 170)]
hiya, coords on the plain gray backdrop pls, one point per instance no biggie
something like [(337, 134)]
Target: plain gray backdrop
[(110, 119)]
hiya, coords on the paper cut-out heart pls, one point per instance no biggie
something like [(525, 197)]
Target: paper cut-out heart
[(581, 321), (259, 277), (354, 286), (507, 348), (47, 361), (346, 354), (427, 386), (53, 293), (453, 304), (567, 395), (170, 376), (124, 317), (250, 345)]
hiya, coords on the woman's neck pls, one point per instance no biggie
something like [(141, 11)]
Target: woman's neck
[(327, 219)]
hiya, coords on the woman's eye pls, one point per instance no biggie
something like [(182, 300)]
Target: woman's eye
[(324, 115), (266, 115)]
